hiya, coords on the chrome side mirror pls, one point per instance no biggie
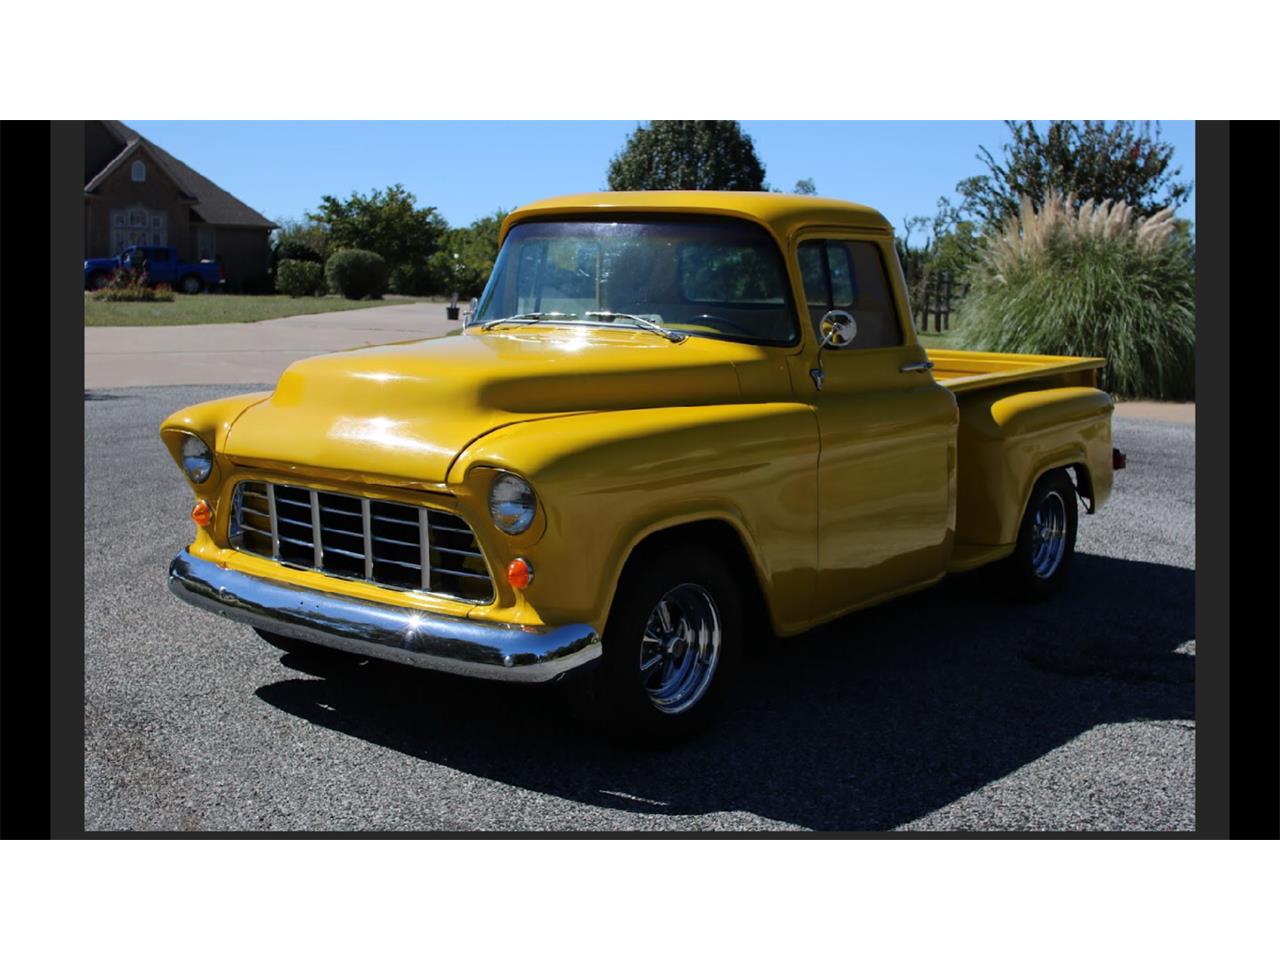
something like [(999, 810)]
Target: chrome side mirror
[(838, 328), (472, 306)]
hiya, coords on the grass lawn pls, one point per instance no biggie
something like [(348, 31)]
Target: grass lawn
[(222, 308), (947, 340)]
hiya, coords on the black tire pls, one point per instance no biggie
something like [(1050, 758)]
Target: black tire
[(685, 575), (301, 648), (1036, 569), (98, 279), (191, 284)]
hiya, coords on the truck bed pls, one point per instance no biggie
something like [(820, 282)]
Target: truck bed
[(964, 371), (1020, 414)]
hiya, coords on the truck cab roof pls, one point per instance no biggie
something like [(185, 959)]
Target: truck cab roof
[(780, 213)]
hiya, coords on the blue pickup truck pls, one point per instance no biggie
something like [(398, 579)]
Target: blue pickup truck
[(162, 265)]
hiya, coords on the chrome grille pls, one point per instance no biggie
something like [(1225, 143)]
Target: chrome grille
[(382, 541)]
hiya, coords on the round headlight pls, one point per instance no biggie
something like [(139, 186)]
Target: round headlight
[(197, 459), (511, 503)]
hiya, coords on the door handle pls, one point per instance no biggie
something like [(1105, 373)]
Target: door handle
[(920, 366)]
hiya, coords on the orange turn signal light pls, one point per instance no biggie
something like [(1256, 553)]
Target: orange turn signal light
[(202, 513), (520, 573)]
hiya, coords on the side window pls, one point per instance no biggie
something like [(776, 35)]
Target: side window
[(850, 275), (844, 293), (159, 254), (813, 271)]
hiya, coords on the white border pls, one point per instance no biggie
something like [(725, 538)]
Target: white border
[(638, 898), (589, 59)]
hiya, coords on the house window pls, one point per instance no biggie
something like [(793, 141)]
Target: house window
[(138, 226), (138, 172)]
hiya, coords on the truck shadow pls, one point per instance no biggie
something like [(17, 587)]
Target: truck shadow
[(865, 724)]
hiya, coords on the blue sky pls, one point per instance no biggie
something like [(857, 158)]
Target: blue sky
[(468, 169)]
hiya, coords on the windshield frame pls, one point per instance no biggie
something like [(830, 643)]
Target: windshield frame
[(638, 217)]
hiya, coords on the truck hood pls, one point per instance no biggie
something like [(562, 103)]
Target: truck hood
[(407, 410)]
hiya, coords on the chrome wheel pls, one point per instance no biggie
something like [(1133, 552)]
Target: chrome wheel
[(191, 285), (680, 648), (1048, 535)]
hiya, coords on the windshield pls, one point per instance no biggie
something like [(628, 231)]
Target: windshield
[(714, 277)]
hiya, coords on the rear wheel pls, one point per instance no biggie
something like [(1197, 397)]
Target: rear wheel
[(670, 645), (192, 284), (1046, 538)]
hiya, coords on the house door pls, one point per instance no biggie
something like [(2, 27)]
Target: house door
[(206, 243)]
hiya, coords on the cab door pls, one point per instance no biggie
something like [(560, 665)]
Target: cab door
[(160, 265), (886, 468)]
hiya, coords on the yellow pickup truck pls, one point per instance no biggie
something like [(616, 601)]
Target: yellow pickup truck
[(671, 419)]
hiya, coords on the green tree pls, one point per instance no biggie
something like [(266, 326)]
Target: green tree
[(952, 244), (687, 155), (299, 240), (1092, 161), (465, 259), (390, 224), (805, 187)]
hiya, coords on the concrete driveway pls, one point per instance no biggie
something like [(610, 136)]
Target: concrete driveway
[(235, 353)]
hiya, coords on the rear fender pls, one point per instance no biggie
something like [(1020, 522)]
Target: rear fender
[(1007, 441)]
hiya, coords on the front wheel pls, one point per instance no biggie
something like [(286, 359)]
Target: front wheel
[(670, 645), (1046, 538)]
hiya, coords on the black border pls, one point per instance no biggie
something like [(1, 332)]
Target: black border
[(24, 662), (65, 658), (1254, 662)]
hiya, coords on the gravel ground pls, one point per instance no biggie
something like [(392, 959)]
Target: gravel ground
[(947, 710)]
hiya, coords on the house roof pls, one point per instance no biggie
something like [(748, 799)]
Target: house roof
[(212, 204)]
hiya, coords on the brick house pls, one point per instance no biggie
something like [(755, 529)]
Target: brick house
[(135, 192)]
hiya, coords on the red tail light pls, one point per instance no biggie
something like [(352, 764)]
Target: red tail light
[(1118, 459), (222, 272)]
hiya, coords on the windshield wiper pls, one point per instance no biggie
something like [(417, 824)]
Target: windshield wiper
[(534, 317), (644, 322)]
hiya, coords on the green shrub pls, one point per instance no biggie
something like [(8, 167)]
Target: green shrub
[(357, 274), (299, 278), (1092, 282), (293, 248), (419, 280), (132, 286)]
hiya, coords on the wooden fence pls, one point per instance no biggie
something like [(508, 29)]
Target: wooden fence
[(938, 298)]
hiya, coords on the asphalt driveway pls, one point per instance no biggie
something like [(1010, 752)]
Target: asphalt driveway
[(950, 709)]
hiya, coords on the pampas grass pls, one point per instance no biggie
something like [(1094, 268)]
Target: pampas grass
[(1089, 281)]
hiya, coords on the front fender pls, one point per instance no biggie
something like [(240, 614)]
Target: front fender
[(607, 480), (211, 422)]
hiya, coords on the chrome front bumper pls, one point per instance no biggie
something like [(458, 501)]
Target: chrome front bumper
[(432, 641)]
